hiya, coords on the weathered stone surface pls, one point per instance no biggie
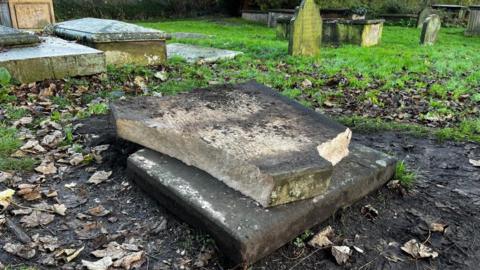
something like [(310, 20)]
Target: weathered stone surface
[(186, 35), (258, 142), (430, 30), (123, 43), (92, 30), (473, 28), (306, 30), (283, 27), (31, 14), (244, 231), (423, 15), (365, 33), (53, 58), (255, 16), (12, 37), (193, 53)]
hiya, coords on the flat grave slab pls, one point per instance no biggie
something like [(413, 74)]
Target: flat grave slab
[(53, 58), (192, 53), (255, 140), (123, 43), (186, 35), (244, 231), (10, 37)]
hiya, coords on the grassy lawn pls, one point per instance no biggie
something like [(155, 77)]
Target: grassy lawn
[(398, 85), (397, 82)]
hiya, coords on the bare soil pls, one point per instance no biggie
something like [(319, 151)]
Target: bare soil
[(447, 191)]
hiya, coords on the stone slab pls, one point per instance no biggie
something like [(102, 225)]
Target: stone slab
[(93, 30), (431, 27), (244, 231), (186, 35), (193, 54), (10, 37), (255, 140), (53, 58), (306, 30)]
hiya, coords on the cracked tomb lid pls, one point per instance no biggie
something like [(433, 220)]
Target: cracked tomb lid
[(10, 37), (103, 31)]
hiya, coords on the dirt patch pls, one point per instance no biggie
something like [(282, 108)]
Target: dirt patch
[(447, 192)]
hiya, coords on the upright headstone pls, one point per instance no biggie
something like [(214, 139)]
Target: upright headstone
[(306, 30), (473, 28), (430, 30), (424, 15)]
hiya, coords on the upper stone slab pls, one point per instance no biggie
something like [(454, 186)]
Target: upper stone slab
[(12, 37), (103, 31), (256, 141)]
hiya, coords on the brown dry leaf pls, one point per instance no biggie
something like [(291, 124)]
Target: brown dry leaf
[(46, 243), (23, 121), (322, 239), (52, 140), (69, 254), (98, 211), (437, 227), (418, 250), (341, 254), (102, 264), (203, 258), (22, 212), (37, 218), (2, 220), (22, 251), (113, 250), (29, 192), (307, 84), (6, 198), (34, 146), (99, 177), (4, 176), (46, 168), (131, 260), (76, 159)]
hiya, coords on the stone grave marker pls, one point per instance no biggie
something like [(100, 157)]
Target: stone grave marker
[(193, 54), (430, 30), (250, 137), (423, 15), (10, 37), (306, 30), (52, 58), (123, 43)]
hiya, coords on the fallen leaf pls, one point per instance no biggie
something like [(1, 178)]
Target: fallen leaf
[(369, 211), (4, 176), (475, 163), (60, 209), (307, 83), (22, 212), (29, 192), (161, 75), (437, 227), (322, 239), (102, 264), (418, 250), (33, 145), (46, 168), (203, 258), (6, 198), (37, 218), (69, 254), (46, 243), (99, 177), (23, 121), (113, 250), (76, 159), (359, 250), (341, 254), (22, 251), (2, 220), (128, 261), (98, 211)]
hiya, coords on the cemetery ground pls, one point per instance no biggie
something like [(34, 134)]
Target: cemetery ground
[(418, 103)]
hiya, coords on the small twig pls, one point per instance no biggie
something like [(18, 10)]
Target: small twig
[(428, 238), (32, 208)]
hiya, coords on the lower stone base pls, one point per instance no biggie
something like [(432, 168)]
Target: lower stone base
[(53, 58), (192, 53), (142, 53), (243, 230)]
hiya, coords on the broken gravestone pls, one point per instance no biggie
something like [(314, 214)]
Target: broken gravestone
[(306, 30), (430, 30), (123, 43), (266, 146), (244, 231), (192, 53), (10, 37)]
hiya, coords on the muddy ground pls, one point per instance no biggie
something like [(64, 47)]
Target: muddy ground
[(447, 191)]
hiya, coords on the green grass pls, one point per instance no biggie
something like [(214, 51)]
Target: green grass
[(9, 143), (404, 175), (443, 75)]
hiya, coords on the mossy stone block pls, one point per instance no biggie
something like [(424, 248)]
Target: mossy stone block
[(306, 30)]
